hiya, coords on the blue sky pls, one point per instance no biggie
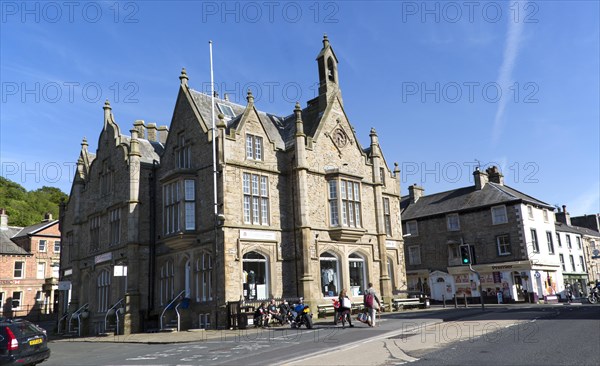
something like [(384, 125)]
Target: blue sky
[(447, 85)]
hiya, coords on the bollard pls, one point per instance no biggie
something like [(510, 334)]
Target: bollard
[(455, 302), (465, 297), (444, 300)]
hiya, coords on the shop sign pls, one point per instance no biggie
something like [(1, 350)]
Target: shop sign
[(258, 235), (390, 244), (102, 257)]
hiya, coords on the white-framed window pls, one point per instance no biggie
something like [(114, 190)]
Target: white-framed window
[(530, 212), (550, 243), (414, 254), (183, 152), (254, 147), (578, 239), (387, 216), (190, 203), (330, 274), (534, 241), (94, 233), (562, 262), (114, 220), (569, 241), (226, 110), (503, 243), (17, 299), (358, 275), (55, 269), (19, 271), (572, 260), (453, 222), (256, 284), (344, 198), (179, 198), (57, 246), (42, 245), (256, 199), (412, 228), (545, 213), (204, 273), (499, 215), (167, 282), (41, 270), (103, 290), (558, 240), (582, 263)]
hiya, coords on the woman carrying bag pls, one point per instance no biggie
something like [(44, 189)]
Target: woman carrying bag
[(344, 310)]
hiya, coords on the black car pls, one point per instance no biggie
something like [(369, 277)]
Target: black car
[(22, 343)]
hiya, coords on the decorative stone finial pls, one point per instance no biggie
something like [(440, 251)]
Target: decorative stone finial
[(183, 77), (250, 97), (221, 122), (299, 123), (84, 143), (107, 105), (373, 132), (325, 40)]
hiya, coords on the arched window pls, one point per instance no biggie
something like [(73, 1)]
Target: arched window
[(256, 276), (103, 290), (204, 278), (167, 282), (330, 274), (356, 263)]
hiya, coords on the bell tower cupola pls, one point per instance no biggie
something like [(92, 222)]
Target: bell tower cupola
[(328, 71)]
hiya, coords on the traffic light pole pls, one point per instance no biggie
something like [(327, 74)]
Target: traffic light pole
[(480, 288)]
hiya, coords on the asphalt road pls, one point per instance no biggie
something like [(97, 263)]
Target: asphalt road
[(524, 335), (560, 335)]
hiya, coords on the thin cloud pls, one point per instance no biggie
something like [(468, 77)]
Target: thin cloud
[(511, 51)]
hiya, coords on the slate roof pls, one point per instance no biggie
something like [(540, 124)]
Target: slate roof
[(464, 199), (33, 229), (575, 229), (150, 150), (6, 244), (280, 129)]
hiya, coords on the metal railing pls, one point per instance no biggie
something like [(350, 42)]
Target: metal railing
[(77, 314), (64, 317), (116, 314), (176, 298)]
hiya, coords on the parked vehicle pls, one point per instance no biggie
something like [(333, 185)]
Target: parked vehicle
[(594, 295), (22, 343), (302, 316)]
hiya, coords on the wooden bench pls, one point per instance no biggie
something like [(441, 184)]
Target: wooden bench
[(406, 303)]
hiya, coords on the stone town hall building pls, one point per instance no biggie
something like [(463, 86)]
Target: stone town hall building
[(303, 210)]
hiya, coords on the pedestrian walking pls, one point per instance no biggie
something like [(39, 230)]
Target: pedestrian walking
[(372, 303), (345, 308)]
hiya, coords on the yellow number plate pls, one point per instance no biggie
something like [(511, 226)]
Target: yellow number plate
[(35, 341)]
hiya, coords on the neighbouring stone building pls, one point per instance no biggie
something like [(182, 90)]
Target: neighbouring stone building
[(590, 229), (510, 236), (302, 210), (29, 265), (576, 245)]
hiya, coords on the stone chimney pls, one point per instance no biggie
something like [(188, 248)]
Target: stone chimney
[(163, 132), (415, 192), (141, 129), (481, 179), (563, 216), (3, 219), (47, 217), (152, 132), (494, 175)]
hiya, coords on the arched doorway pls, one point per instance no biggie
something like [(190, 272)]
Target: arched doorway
[(256, 276)]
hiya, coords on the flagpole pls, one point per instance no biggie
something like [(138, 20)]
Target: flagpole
[(214, 156)]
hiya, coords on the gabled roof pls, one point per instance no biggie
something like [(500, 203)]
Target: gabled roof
[(34, 229), (6, 244), (464, 199), (150, 150), (280, 129)]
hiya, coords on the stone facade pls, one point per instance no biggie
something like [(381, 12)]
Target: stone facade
[(302, 210), (498, 224)]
